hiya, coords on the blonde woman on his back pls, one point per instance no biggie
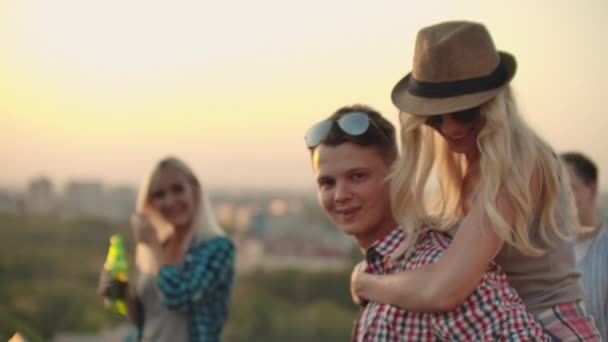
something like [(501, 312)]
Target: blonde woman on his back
[(504, 195)]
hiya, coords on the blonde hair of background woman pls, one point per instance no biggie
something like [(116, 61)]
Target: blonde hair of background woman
[(510, 153), (204, 224)]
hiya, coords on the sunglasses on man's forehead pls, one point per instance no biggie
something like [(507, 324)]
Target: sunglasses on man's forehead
[(462, 117), (353, 123)]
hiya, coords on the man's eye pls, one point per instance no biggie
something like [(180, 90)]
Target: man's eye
[(158, 194), (359, 176), (324, 184)]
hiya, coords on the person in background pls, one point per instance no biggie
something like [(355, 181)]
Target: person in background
[(592, 243), (352, 153), (184, 262), (501, 194)]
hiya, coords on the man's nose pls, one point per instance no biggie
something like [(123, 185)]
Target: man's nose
[(342, 192)]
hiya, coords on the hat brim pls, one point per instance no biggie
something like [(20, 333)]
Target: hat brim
[(407, 102)]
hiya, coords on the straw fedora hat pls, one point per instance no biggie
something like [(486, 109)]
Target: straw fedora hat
[(456, 67)]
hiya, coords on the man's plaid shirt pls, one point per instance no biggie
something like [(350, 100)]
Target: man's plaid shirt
[(201, 287), (493, 312)]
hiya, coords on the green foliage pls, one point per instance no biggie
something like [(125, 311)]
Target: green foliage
[(291, 305), (49, 271)]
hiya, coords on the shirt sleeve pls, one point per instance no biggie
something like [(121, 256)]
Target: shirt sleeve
[(602, 287), (207, 267)]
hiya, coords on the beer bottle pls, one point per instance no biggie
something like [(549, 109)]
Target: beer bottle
[(117, 269)]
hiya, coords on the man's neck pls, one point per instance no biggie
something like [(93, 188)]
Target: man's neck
[(590, 226), (588, 219), (365, 242)]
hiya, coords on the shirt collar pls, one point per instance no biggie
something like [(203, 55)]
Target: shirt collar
[(386, 245)]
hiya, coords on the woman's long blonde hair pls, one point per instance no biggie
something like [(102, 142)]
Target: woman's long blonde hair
[(510, 155), (204, 224)]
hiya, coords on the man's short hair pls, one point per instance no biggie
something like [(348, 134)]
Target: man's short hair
[(583, 166)]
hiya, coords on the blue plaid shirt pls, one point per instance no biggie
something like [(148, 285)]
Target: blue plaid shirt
[(201, 287)]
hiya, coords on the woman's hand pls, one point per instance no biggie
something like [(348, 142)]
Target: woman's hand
[(104, 284), (143, 230), (355, 282), (111, 288)]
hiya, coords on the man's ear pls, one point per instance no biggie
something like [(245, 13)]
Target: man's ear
[(593, 188), (388, 158)]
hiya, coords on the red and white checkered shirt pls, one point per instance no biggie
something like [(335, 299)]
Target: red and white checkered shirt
[(493, 312)]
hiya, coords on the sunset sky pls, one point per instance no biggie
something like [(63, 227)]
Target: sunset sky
[(102, 89)]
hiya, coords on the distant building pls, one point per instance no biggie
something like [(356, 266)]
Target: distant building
[(224, 212), (282, 230), (11, 203), (295, 252), (259, 225), (40, 197), (83, 198), (249, 255), (119, 203), (92, 199)]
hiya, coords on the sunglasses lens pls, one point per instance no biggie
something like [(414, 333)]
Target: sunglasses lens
[(463, 117), (317, 132), (354, 123), (434, 121), (466, 116)]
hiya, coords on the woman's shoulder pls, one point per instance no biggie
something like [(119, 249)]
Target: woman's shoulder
[(214, 248), (218, 242), (602, 237)]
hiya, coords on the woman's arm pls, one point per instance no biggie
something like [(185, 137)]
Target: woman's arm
[(212, 265), (447, 283), (132, 307)]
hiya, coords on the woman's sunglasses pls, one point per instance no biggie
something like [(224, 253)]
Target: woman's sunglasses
[(462, 117), (354, 124)]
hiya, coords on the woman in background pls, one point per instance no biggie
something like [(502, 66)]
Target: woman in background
[(184, 262)]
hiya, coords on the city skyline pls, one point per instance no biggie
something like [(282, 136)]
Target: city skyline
[(60, 187), (103, 89)]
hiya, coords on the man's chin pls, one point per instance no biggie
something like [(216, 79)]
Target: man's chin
[(349, 230)]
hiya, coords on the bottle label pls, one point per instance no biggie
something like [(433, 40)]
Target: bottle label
[(117, 289)]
